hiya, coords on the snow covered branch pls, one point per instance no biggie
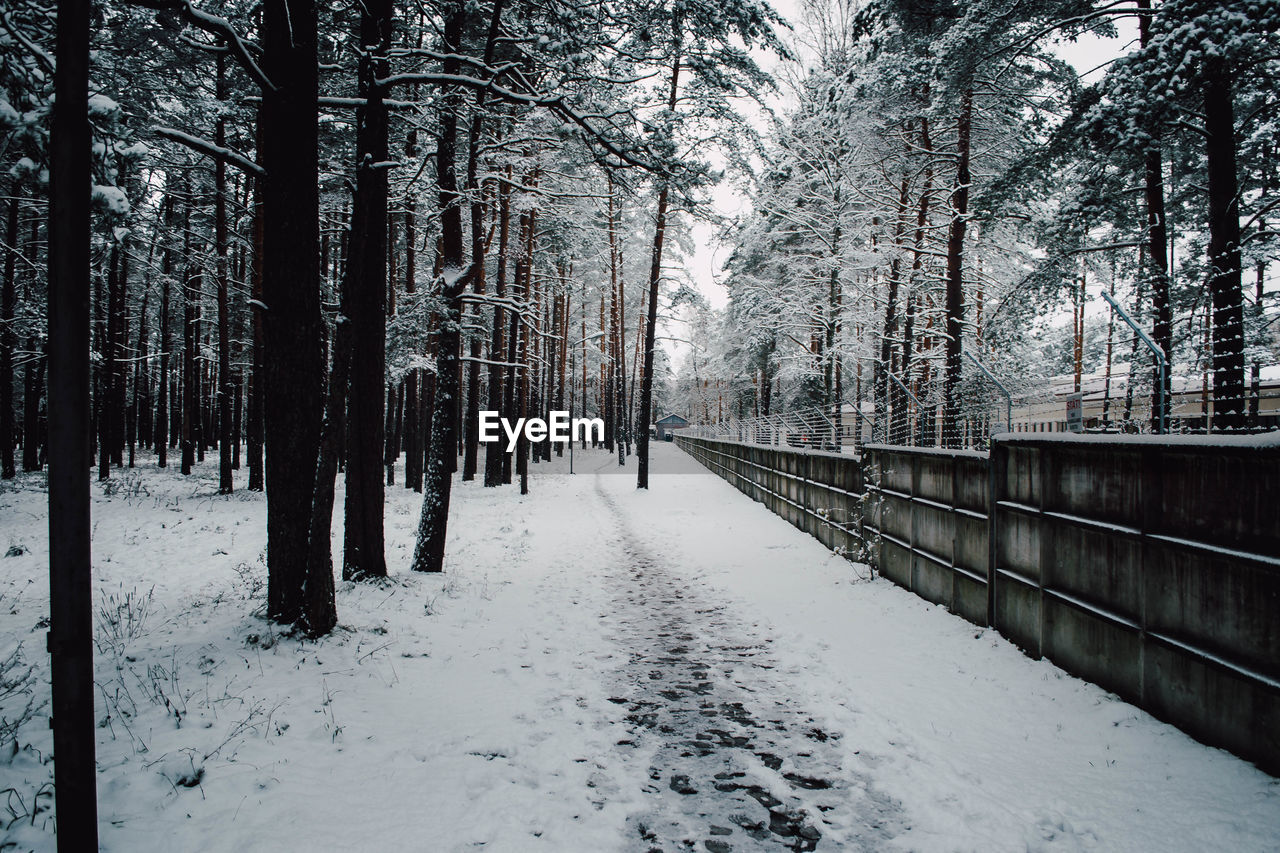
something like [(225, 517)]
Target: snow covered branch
[(219, 26), (204, 146)]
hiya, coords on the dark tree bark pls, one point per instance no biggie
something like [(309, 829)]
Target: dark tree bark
[(617, 335), (955, 274), (161, 437), (101, 380), (8, 340), (644, 416), (294, 330), (522, 411), (225, 484), (117, 333), (32, 391), (190, 402), (70, 598), (1157, 256), (891, 399), (257, 376), (395, 410), (917, 257), (237, 417), (471, 451), (493, 451), (141, 383), (429, 553), (366, 283), (1225, 283)]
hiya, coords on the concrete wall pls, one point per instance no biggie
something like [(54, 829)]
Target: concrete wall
[(820, 493), (1149, 568), (926, 521), (1152, 569)]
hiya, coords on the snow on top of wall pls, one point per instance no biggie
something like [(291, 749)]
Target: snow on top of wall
[(1256, 440)]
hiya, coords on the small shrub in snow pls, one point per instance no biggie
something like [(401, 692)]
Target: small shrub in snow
[(17, 702), (128, 485), (122, 617)]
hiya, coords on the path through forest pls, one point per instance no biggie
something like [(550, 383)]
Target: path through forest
[(598, 669), (736, 754)]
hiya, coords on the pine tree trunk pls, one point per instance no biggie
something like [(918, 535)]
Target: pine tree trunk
[(955, 275), (225, 484), (190, 412), (522, 409), (493, 451), (364, 553), (1157, 254), (32, 390), (118, 325), (644, 416), (891, 397), (294, 330), (432, 527), (161, 436), (141, 380), (257, 376), (70, 593), (1225, 283), (471, 450), (320, 614), (8, 340), (391, 437)]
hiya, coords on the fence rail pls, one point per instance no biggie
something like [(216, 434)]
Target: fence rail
[(908, 421)]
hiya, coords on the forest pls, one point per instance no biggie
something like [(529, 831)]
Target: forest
[(322, 239), (308, 239)]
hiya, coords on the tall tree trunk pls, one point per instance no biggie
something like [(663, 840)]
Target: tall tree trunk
[(955, 274), (1225, 283), (225, 485), (411, 432), (494, 451), (891, 397), (257, 377), (294, 328), (391, 433), (364, 550), (117, 325), (190, 402), (32, 390), (8, 339), (161, 437), (1157, 254), (320, 614), (432, 526), (522, 406), (70, 592), (471, 449), (1259, 314), (655, 281), (141, 380)]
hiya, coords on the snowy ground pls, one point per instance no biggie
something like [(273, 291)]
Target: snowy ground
[(599, 669)]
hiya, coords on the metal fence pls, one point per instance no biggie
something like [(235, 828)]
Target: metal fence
[(914, 418)]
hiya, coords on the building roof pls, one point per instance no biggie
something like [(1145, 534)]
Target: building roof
[(672, 419)]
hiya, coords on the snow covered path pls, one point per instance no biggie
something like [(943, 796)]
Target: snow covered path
[(598, 669), (730, 746)]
